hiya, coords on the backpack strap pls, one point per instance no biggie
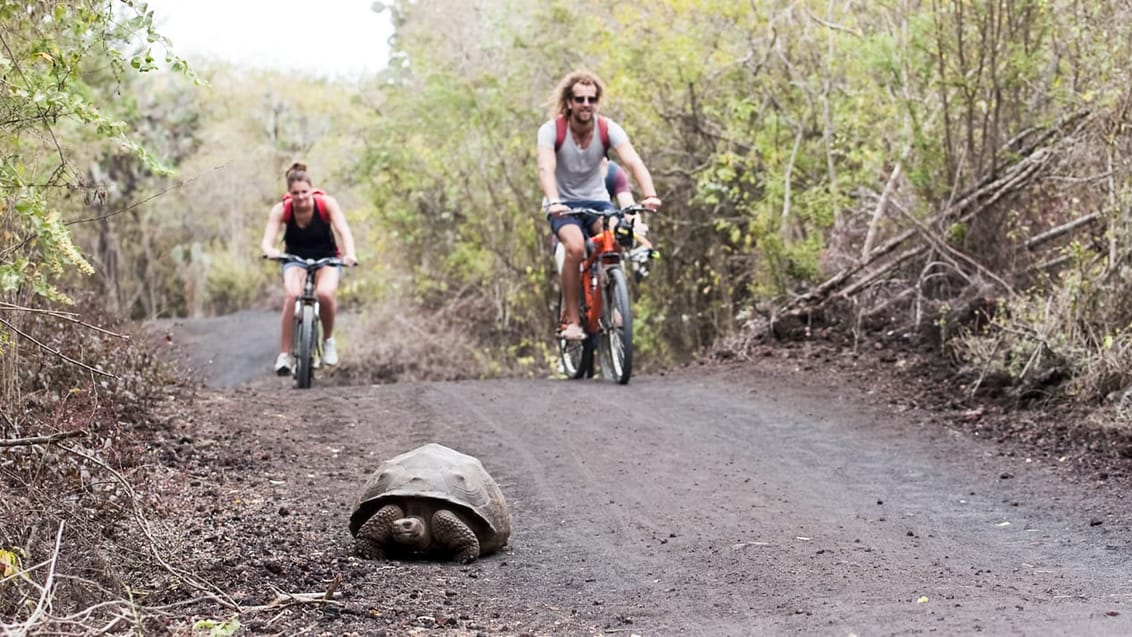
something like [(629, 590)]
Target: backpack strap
[(560, 132), (319, 204)]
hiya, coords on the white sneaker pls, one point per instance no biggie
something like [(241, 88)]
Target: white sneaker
[(283, 364), (329, 353)]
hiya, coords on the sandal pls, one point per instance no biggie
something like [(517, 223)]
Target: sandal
[(572, 332)]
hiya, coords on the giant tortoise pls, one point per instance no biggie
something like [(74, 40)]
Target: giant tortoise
[(431, 501)]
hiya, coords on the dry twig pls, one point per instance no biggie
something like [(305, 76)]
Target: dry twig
[(211, 591), (45, 590), (286, 600), (1036, 157), (41, 440), (56, 352), (71, 317), (1064, 228)]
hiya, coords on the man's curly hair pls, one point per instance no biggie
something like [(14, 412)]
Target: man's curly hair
[(564, 92)]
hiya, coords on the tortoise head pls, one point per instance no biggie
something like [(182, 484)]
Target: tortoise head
[(412, 531)]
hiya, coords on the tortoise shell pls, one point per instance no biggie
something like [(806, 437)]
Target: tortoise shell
[(440, 474)]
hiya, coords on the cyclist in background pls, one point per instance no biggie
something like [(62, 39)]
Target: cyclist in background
[(617, 185), (571, 174), (310, 220)]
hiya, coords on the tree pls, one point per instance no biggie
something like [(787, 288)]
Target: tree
[(54, 60)]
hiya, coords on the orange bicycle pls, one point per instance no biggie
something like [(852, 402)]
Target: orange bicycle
[(607, 317)]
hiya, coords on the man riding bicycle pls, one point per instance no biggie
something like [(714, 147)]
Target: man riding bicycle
[(310, 220), (617, 185), (571, 147)]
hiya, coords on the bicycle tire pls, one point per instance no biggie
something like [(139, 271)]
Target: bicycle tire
[(576, 357), (305, 357), (617, 329)]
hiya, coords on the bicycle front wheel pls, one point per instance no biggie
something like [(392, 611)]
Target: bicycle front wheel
[(575, 357), (617, 329), (308, 335)]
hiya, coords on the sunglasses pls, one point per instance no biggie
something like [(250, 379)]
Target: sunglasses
[(585, 99)]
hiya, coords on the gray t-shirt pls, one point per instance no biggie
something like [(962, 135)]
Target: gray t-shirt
[(579, 172)]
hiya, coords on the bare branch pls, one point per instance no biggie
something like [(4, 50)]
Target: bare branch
[(1065, 228), (41, 440), (211, 591), (888, 267), (66, 316), (56, 352), (285, 600), (46, 589), (175, 186), (836, 27), (944, 248), (878, 212), (964, 208)]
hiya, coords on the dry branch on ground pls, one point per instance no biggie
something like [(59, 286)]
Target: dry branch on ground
[(924, 241)]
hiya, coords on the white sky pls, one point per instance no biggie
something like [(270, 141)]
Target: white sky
[(330, 38)]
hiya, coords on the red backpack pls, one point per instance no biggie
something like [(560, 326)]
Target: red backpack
[(560, 132), (319, 204)]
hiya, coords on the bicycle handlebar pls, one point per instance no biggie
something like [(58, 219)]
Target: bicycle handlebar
[(309, 263), (627, 210), (633, 209)]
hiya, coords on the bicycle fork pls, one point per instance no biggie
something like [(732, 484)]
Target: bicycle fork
[(304, 300)]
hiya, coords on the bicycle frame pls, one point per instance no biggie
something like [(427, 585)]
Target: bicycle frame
[(604, 251), (307, 298)]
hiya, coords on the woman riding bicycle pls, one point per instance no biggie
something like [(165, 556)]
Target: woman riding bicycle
[(571, 147), (310, 220)]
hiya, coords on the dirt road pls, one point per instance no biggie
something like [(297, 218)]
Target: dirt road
[(712, 500)]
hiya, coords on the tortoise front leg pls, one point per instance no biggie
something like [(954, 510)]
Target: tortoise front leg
[(375, 533), (450, 531)]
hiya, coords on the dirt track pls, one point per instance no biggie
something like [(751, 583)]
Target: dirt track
[(712, 500)]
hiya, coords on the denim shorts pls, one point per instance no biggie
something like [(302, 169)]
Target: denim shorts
[(584, 221), (292, 264)]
